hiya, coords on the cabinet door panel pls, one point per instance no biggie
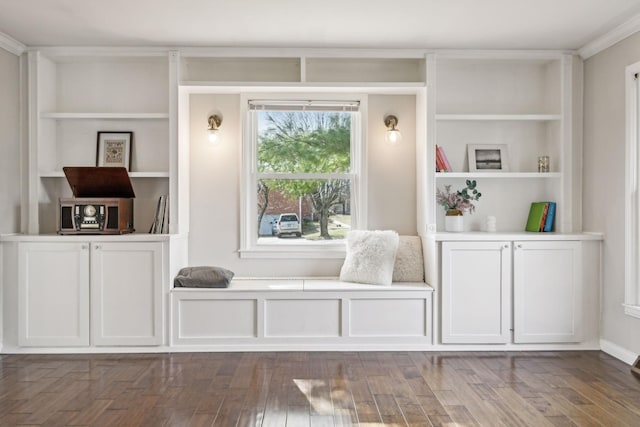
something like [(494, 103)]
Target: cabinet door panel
[(53, 294), (126, 286), (547, 292), (476, 290)]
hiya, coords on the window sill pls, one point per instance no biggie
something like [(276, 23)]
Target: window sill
[(332, 251), (632, 310)]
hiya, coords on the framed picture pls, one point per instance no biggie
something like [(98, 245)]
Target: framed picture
[(488, 158), (114, 149)]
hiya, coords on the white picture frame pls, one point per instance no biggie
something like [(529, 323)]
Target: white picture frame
[(114, 149), (488, 157)]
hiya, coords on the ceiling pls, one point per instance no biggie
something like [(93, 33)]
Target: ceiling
[(456, 24)]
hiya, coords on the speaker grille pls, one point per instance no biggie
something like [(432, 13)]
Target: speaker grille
[(66, 217), (112, 217)]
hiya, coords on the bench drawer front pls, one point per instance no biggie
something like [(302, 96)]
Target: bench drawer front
[(388, 317), (216, 318), (302, 318)]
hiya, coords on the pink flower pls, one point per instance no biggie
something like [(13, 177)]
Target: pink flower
[(460, 200)]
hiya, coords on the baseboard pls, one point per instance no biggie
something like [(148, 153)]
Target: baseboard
[(618, 352)]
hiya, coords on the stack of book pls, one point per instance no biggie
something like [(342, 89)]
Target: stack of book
[(442, 163), (161, 221), (541, 216)]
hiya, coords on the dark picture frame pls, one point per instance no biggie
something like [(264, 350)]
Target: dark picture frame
[(488, 158), (114, 149)]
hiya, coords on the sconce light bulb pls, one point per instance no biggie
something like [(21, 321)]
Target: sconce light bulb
[(213, 136), (393, 137)]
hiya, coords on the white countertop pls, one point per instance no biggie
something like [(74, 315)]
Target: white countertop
[(522, 236)]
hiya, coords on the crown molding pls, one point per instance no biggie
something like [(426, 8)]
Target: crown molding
[(11, 45), (610, 38)]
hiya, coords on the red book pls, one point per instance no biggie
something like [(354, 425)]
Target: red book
[(444, 159), (544, 216), (440, 167)]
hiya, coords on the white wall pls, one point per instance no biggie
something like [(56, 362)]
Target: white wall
[(603, 179), (9, 142), (214, 236)]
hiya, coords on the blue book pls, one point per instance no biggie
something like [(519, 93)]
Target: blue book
[(551, 213)]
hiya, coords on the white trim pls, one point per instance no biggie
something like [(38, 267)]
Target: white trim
[(12, 45), (620, 353), (610, 38), (315, 252), (632, 310), (632, 207), (384, 344)]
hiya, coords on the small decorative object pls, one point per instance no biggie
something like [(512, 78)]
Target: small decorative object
[(488, 158), (491, 224), (543, 164), (114, 149), (455, 204)]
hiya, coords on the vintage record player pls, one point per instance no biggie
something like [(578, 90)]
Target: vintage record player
[(102, 201)]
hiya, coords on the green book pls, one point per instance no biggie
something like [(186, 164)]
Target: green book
[(535, 216)]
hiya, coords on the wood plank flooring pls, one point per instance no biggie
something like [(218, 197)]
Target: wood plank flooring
[(319, 389)]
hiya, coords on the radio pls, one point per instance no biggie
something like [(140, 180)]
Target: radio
[(102, 202), (86, 215)]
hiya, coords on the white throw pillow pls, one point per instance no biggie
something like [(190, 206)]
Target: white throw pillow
[(409, 265), (370, 257)]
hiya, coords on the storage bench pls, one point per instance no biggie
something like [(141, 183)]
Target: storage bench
[(302, 314)]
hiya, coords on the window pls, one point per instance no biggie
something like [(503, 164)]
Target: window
[(632, 214), (303, 175)]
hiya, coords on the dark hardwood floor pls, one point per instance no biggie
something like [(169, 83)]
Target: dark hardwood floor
[(319, 389)]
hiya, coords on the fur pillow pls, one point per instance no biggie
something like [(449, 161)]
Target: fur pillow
[(203, 277), (370, 257), (409, 265)]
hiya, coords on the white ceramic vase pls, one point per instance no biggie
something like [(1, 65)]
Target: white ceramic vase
[(454, 222)]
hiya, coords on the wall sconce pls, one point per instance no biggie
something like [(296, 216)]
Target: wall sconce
[(214, 128), (393, 135)]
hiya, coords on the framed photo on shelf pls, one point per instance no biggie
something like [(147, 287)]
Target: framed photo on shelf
[(488, 158), (114, 149)]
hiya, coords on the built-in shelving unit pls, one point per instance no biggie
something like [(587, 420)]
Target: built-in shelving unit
[(303, 70), (74, 96), (521, 101)]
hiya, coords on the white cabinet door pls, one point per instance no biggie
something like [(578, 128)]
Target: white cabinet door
[(547, 292), (476, 292), (53, 294), (126, 293)]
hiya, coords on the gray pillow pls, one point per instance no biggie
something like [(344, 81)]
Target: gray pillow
[(203, 277)]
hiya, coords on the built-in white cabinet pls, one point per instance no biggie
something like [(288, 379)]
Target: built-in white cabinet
[(476, 292), (539, 289), (83, 293), (547, 292), (126, 293), (53, 294)]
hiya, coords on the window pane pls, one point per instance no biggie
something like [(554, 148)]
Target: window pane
[(304, 209), (303, 141)]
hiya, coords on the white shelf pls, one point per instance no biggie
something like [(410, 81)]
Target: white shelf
[(498, 175), (60, 174), (105, 116), (443, 236), (500, 117)]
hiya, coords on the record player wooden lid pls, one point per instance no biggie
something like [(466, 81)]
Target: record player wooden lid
[(99, 181)]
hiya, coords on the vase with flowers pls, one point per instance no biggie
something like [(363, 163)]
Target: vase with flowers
[(457, 203)]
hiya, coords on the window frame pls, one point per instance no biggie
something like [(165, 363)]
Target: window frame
[(249, 245), (632, 185)]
